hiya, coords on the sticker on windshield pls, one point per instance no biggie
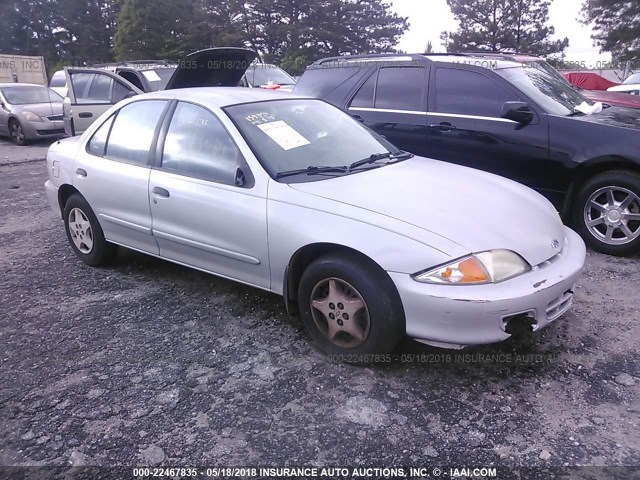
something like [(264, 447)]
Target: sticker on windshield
[(151, 76), (283, 134)]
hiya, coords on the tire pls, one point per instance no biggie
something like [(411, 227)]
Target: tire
[(373, 329), (606, 213), (16, 132), (85, 233)]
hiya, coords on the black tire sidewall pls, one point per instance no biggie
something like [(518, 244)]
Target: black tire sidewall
[(387, 324), (102, 250), (628, 180)]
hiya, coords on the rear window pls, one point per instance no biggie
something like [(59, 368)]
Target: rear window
[(319, 82)]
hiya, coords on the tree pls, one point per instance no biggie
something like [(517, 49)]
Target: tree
[(616, 25), (499, 25), (153, 29)]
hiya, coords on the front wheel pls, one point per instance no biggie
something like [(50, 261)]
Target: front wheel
[(85, 234), (17, 133), (607, 213), (350, 308)]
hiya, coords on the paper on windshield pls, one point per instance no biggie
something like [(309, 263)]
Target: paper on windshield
[(587, 109), (151, 76), (283, 134)]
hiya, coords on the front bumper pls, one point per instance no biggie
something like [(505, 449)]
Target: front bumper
[(44, 129), (456, 315)]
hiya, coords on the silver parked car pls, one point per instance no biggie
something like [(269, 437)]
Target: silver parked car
[(29, 112), (291, 195)]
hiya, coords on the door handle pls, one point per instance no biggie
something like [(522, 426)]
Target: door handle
[(161, 192), (85, 114), (443, 126), (81, 172)]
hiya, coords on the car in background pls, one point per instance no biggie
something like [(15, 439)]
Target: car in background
[(504, 117), (29, 112), (630, 86), (58, 83), (271, 77), (93, 91), (290, 195)]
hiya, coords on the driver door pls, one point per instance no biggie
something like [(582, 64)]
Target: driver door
[(91, 93)]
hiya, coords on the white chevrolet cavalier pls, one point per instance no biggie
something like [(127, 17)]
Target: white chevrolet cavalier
[(291, 195)]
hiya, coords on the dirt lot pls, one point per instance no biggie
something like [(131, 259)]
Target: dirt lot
[(146, 362)]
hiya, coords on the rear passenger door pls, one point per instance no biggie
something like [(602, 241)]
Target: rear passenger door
[(91, 93), (205, 213), (465, 127), (392, 102)]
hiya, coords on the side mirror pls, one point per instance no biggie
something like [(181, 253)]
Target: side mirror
[(130, 94), (518, 112)]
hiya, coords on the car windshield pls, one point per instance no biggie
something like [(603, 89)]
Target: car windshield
[(28, 95), (289, 135), (263, 74), (158, 77), (552, 94), (635, 78)]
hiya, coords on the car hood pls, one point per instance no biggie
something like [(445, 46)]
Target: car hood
[(614, 116), (213, 67), (613, 98), (474, 209), (41, 109)]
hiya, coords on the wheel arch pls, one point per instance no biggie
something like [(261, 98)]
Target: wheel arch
[(591, 168), (304, 256), (64, 192)]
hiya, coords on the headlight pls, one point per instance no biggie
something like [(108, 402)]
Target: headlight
[(480, 268), (32, 117)]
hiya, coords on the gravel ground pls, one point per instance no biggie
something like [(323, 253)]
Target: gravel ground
[(146, 362)]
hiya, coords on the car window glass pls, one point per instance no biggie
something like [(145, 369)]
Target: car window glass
[(400, 88), (80, 82), (120, 92), (198, 145), (133, 129), (99, 140), (364, 97), (469, 93), (100, 89)]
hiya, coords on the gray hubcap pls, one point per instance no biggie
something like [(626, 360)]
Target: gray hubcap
[(80, 230), (340, 313), (17, 133), (612, 215)]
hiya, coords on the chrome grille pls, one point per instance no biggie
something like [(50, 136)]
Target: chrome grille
[(55, 118)]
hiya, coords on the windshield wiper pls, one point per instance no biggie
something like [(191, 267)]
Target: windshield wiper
[(312, 170), (380, 156)]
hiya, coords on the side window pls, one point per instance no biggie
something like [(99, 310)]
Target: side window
[(98, 142), (133, 130), (364, 97), (100, 89), (469, 93), (401, 88), (120, 92), (80, 83), (197, 145)]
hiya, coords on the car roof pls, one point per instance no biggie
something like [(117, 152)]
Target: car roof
[(473, 59), (220, 97)]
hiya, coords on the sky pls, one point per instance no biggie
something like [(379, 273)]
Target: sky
[(428, 18)]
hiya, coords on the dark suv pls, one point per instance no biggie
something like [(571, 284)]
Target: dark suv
[(504, 117)]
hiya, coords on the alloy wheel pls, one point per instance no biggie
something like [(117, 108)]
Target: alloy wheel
[(340, 313), (17, 133), (80, 230), (612, 215)]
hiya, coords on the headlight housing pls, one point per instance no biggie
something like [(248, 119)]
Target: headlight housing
[(493, 266), (32, 117)]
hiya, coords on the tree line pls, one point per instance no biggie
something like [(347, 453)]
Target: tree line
[(291, 33)]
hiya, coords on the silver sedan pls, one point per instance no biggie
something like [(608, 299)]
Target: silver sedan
[(290, 195)]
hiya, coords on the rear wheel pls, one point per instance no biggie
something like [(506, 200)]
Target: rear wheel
[(17, 133), (85, 234), (607, 213), (350, 308)]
